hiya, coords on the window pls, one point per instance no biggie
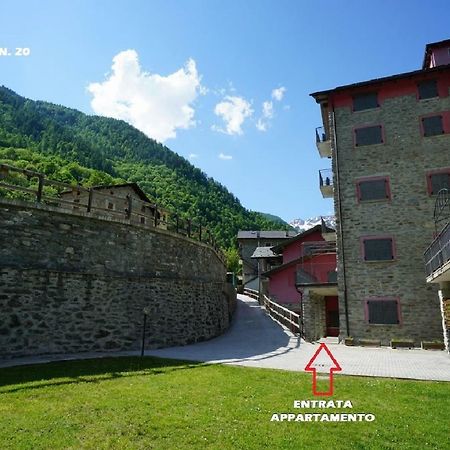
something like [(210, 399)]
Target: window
[(110, 205), (143, 220), (365, 101), (267, 244), (368, 135), (373, 189), (438, 180), (378, 249), (428, 89), (332, 276), (383, 312), (432, 126)]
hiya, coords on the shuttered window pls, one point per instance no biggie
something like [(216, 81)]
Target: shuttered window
[(365, 101), (377, 189), (432, 126), (438, 181), (378, 249), (383, 312), (368, 135), (428, 89)]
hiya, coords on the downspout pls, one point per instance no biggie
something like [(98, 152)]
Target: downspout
[(341, 230)]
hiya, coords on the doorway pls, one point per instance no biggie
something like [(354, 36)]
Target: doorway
[(332, 316)]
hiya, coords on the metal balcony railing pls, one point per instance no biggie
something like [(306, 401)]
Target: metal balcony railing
[(326, 177), (438, 253), (321, 136), (323, 143)]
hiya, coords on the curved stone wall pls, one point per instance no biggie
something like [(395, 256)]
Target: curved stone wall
[(74, 283)]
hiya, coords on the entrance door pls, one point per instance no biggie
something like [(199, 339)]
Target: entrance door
[(332, 316)]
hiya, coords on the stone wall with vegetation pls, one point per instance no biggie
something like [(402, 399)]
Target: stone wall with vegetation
[(71, 283)]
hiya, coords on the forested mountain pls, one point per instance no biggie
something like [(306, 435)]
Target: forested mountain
[(70, 146)]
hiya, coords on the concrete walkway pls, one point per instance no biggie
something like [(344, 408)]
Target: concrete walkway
[(255, 340)]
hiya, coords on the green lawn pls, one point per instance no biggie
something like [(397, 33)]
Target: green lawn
[(164, 404)]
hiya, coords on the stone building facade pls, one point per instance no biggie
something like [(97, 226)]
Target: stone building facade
[(389, 141), (71, 282), (116, 201)]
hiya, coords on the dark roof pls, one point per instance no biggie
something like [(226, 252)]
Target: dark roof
[(279, 247), (273, 234), (134, 186), (431, 46), (321, 95), (264, 252)]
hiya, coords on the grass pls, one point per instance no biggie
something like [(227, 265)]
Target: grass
[(129, 403)]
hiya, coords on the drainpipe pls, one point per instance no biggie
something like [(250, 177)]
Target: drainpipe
[(341, 230)]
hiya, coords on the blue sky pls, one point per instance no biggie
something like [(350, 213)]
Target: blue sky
[(200, 75)]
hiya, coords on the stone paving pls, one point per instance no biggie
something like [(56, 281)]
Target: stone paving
[(255, 340)]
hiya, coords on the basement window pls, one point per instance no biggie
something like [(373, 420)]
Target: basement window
[(432, 126), (373, 189), (427, 89), (383, 311), (368, 135), (378, 249), (365, 101)]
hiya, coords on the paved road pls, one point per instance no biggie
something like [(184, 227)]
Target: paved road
[(255, 340)]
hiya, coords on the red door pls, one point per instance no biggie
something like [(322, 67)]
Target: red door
[(332, 316)]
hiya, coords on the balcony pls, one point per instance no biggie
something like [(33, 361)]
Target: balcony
[(326, 182), (323, 143), (437, 258), (320, 278)]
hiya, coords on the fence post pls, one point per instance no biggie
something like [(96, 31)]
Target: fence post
[(91, 195), (156, 215), (40, 188), (189, 228)]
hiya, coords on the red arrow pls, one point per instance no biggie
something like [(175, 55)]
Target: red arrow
[(326, 357)]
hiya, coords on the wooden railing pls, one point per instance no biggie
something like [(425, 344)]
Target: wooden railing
[(76, 198), (282, 315), (251, 293)]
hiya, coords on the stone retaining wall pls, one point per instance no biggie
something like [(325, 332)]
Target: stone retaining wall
[(73, 283)]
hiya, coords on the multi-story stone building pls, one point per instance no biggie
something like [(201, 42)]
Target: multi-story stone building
[(389, 144)]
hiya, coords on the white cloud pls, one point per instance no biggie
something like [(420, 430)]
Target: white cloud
[(193, 155), (155, 104), (263, 122), (261, 126), (278, 94), (225, 157), (267, 110), (233, 111)]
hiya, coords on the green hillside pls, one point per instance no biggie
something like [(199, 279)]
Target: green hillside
[(70, 146)]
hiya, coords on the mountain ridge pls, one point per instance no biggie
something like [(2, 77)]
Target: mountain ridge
[(302, 225), (75, 147)]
